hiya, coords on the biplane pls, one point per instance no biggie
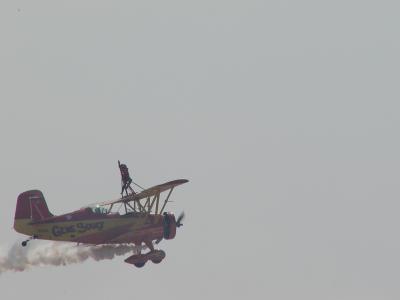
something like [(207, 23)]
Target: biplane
[(134, 219)]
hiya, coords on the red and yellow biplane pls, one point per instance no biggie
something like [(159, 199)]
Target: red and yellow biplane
[(136, 218)]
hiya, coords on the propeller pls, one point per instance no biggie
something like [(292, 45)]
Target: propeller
[(180, 218)]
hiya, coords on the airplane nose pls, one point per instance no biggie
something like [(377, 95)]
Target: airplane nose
[(169, 225)]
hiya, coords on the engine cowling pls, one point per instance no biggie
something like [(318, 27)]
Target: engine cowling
[(169, 226)]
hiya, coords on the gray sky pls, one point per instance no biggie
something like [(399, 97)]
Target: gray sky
[(282, 114)]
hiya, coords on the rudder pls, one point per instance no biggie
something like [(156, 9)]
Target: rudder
[(32, 205)]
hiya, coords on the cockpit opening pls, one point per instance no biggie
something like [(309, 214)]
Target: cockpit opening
[(99, 210)]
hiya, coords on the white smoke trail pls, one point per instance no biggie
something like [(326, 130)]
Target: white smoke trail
[(41, 253)]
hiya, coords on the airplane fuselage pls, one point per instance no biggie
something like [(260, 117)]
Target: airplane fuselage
[(85, 226)]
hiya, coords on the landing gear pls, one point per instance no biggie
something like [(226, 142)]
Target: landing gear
[(157, 256), (25, 243), (139, 260), (139, 264), (156, 260)]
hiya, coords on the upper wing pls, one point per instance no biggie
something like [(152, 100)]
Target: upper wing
[(155, 190)]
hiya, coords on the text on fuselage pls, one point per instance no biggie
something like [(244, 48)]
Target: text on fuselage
[(79, 228)]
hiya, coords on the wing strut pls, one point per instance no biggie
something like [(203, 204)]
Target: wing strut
[(166, 200)]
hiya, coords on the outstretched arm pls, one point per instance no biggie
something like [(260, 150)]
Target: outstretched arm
[(119, 164)]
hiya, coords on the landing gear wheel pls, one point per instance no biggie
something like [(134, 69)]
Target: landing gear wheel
[(24, 243), (159, 255), (139, 264)]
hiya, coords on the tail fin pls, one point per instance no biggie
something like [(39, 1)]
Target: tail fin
[(31, 205)]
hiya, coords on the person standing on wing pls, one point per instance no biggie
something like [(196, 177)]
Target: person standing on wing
[(125, 179)]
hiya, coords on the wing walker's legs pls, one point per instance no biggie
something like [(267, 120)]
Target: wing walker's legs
[(125, 185), (122, 188), (128, 185)]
